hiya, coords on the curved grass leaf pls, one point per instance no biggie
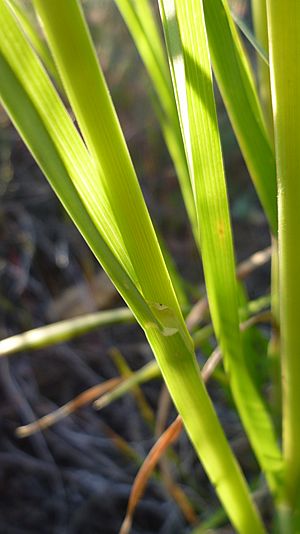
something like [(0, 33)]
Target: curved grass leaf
[(32, 129)]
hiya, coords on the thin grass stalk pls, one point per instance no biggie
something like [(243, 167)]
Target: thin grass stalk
[(63, 331), (284, 31), (249, 35), (259, 13)]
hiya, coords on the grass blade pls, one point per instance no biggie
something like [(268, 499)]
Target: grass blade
[(259, 13), (207, 176), (31, 126), (35, 39), (68, 37), (141, 23), (259, 48), (284, 27), (49, 110), (236, 83)]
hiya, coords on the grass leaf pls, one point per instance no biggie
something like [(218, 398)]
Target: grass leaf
[(142, 25), (244, 28), (236, 83), (284, 26), (199, 122), (47, 128)]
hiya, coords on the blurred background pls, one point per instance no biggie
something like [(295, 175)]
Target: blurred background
[(76, 476)]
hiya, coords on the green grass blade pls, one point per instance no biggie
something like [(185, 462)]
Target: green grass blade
[(77, 162), (140, 21), (238, 90), (176, 64), (207, 176), (68, 38), (30, 126), (259, 14), (35, 39), (258, 47), (142, 25), (211, 445), (31, 111), (284, 28)]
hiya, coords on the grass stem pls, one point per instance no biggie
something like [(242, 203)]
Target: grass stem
[(284, 29)]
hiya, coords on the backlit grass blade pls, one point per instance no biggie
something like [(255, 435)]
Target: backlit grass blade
[(141, 22), (258, 47), (18, 54), (68, 38), (208, 181), (236, 83), (35, 39), (34, 132), (284, 31), (235, 79), (259, 14), (41, 48), (176, 64)]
